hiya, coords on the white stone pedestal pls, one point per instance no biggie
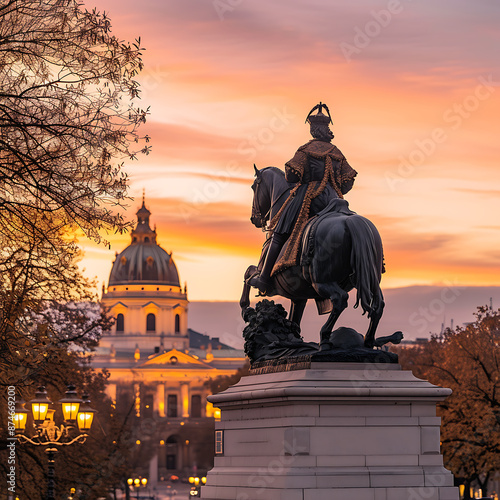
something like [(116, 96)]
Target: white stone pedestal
[(333, 431)]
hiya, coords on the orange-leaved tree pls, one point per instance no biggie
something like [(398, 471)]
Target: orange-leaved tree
[(467, 360)]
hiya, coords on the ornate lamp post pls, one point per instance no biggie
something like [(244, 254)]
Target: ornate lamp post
[(78, 416), (137, 483)]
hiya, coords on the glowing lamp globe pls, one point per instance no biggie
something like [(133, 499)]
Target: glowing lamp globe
[(144, 481), (40, 405), (70, 404), (20, 416), (84, 419), (86, 414)]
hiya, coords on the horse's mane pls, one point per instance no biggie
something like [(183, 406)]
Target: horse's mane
[(274, 169)]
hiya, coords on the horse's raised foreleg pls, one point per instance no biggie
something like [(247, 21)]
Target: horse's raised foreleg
[(339, 303), (374, 321), (245, 294), (297, 311)]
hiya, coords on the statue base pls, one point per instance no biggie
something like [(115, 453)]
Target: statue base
[(329, 431)]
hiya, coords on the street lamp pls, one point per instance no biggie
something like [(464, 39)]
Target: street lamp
[(195, 490), (46, 432), (40, 405), (70, 404), (137, 483), (85, 414)]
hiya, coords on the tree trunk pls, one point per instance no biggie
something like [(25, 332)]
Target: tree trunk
[(467, 490), (484, 484)]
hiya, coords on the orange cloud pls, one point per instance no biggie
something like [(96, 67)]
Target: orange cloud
[(217, 86)]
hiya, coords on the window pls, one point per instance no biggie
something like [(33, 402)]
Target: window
[(146, 240), (177, 323), (171, 449), (124, 401), (196, 406), (151, 322), (219, 442), (172, 406), (120, 323)]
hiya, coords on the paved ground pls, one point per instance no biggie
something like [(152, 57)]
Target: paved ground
[(164, 491), (176, 492)]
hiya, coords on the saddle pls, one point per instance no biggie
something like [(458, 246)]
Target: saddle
[(336, 207), (305, 251)]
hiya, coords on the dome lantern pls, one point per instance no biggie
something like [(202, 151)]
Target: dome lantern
[(144, 261), (143, 232)]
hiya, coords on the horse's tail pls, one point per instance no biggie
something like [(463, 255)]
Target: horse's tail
[(366, 262)]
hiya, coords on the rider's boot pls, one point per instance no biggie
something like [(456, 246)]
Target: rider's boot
[(263, 280)]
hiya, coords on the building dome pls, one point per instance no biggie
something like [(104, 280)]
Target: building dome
[(144, 261)]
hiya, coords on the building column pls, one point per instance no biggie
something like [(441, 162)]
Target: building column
[(111, 392), (185, 399), (153, 471), (160, 400)]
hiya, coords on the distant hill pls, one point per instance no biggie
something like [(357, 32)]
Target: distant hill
[(417, 311)]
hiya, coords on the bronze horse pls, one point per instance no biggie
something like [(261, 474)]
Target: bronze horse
[(347, 254)]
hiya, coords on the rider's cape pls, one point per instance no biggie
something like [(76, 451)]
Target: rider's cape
[(337, 172)]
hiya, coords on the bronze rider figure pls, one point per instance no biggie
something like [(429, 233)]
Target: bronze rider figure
[(321, 173)]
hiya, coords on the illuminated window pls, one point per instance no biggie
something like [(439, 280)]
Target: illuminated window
[(177, 323), (151, 322), (120, 323)]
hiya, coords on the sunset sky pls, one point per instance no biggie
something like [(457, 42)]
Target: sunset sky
[(414, 92)]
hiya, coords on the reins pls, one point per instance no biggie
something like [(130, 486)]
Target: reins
[(268, 213)]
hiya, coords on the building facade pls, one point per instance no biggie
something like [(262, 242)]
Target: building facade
[(157, 375)]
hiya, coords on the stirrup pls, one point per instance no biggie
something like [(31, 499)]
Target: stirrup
[(256, 282)]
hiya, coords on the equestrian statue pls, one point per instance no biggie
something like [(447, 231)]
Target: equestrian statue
[(316, 247)]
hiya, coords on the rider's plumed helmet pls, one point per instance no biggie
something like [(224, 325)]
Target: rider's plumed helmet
[(320, 123)]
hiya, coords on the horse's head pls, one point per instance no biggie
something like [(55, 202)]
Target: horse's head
[(269, 189), (261, 200)]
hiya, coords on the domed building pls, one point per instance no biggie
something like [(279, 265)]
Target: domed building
[(145, 296), (159, 369)]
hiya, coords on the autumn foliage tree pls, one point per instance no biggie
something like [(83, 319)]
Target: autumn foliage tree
[(67, 117), (466, 360), (68, 121)]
